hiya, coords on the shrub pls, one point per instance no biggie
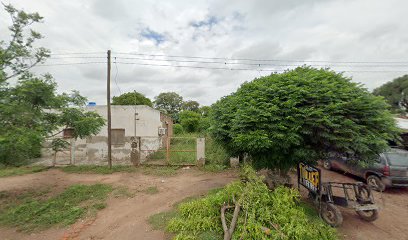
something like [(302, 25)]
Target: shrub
[(301, 115), (177, 129), (189, 120)]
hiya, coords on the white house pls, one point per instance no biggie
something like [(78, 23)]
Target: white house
[(133, 128)]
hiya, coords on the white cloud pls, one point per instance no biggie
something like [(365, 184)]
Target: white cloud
[(336, 30)]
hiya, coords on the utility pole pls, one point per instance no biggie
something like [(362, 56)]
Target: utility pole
[(109, 110)]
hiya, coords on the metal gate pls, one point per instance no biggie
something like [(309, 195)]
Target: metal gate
[(170, 150)]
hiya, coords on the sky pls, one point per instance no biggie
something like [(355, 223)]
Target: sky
[(365, 39)]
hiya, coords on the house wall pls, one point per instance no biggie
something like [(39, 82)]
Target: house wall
[(94, 150)]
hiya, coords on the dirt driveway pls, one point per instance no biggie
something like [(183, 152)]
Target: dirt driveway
[(393, 215), (123, 218)]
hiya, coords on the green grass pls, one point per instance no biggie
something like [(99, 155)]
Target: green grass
[(14, 171), (148, 170), (159, 221), (151, 190), (32, 213), (98, 169)]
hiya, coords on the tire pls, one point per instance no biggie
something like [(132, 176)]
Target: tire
[(327, 165), (331, 214), (368, 215), (375, 183)]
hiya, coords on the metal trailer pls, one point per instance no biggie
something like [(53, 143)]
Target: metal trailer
[(357, 196)]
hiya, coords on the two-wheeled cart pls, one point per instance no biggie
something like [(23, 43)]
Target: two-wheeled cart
[(328, 195)]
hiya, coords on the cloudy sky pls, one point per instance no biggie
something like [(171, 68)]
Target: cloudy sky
[(367, 39)]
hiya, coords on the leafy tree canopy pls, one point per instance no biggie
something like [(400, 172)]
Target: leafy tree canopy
[(301, 115), (169, 103), (132, 98), (189, 120), (31, 110), (191, 105), (395, 93)]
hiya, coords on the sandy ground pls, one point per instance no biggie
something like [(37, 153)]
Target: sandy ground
[(126, 218)]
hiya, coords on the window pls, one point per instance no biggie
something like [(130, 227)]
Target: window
[(118, 136)]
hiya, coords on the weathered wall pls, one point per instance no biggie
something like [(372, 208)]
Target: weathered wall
[(94, 150)]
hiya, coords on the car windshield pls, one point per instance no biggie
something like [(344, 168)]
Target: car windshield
[(398, 158)]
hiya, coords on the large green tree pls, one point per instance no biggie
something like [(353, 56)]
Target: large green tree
[(396, 93), (301, 115), (170, 103), (30, 108), (132, 98), (191, 105)]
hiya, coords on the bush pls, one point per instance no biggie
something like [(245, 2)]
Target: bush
[(189, 120), (278, 211), (301, 115), (177, 129)]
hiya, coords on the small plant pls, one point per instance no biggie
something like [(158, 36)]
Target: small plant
[(151, 190)]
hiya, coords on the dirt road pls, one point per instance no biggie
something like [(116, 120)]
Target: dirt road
[(393, 215), (123, 218), (126, 218)]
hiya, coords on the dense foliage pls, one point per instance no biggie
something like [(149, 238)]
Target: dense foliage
[(264, 214), (169, 103), (300, 115), (189, 120), (191, 105), (396, 93), (30, 108), (132, 98)]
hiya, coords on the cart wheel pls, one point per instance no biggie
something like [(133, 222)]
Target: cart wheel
[(375, 183), (368, 215), (331, 214), (327, 164)]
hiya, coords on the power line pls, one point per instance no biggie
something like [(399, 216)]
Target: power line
[(72, 63), (253, 64), (76, 53), (257, 60), (240, 69)]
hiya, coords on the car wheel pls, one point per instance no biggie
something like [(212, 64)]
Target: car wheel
[(327, 164), (368, 215), (375, 183), (331, 214)]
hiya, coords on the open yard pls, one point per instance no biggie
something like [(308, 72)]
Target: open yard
[(135, 195)]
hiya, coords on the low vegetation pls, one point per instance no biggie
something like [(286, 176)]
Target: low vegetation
[(151, 190), (263, 214), (15, 171), (148, 170), (32, 212)]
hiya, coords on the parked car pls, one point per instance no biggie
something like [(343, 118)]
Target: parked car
[(390, 169)]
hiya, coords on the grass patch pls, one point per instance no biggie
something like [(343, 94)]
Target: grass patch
[(151, 190), (148, 170), (15, 171), (98, 169), (213, 168), (77, 201), (159, 221), (123, 191), (159, 170)]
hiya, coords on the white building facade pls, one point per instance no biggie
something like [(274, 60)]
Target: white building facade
[(133, 128)]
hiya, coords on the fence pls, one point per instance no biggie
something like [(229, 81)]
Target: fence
[(172, 150)]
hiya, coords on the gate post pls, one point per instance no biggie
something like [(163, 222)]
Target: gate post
[(200, 151)]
